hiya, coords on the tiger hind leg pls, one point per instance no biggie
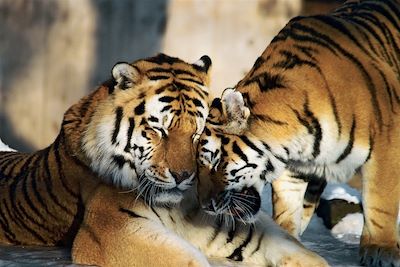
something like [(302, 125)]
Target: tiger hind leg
[(379, 244)]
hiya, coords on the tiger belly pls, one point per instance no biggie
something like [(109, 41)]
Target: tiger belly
[(338, 157)]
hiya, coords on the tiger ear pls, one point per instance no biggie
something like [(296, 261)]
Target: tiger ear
[(125, 75), (203, 64), (235, 112)]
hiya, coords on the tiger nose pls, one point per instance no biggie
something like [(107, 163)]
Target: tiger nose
[(181, 176)]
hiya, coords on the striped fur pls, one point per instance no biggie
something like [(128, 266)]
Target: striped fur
[(138, 131), (321, 102), (129, 233)]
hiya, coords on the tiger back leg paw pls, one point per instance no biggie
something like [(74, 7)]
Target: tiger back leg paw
[(379, 244)]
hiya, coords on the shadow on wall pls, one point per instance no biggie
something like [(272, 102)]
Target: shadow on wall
[(133, 30), (53, 53), (23, 30)]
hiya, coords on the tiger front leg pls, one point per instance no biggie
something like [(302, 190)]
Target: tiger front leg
[(119, 231), (287, 201), (281, 249), (262, 243), (135, 244), (379, 244)]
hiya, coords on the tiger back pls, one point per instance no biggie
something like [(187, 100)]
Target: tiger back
[(320, 103), (137, 131)]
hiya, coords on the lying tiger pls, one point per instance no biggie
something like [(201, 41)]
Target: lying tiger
[(320, 103), (137, 132)]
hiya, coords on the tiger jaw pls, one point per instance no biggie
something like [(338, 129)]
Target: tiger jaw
[(243, 205), (156, 191)]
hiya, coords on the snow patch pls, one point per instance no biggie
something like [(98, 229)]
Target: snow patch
[(351, 224), (4, 147), (341, 191)]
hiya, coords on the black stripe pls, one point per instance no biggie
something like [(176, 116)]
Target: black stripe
[(117, 124), (60, 169), (162, 58), (363, 22), (388, 88), (156, 213), (197, 103), (166, 99), (12, 164), (192, 80), (236, 149), (162, 89), (352, 59), (84, 107), (259, 62), (251, 145), (260, 239), (37, 194), (129, 134), (5, 163), (33, 220), (34, 233), (231, 234), (267, 81), (28, 199), (131, 213), (336, 24), (6, 227), (306, 37), (349, 146), (334, 109), (237, 253), (181, 72), (378, 7), (20, 220), (268, 119), (153, 119), (303, 121), (159, 77), (314, 189), (139, 110), (216, 231), (371, 147), (49, 184), (159, 69), (317, 131), (291, 61), (119, 160)]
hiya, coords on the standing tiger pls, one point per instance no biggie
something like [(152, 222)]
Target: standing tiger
[(137, 132), (320, 103)]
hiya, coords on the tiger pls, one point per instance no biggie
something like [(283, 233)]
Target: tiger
[(128, 133), (112, 184), (320, 104)]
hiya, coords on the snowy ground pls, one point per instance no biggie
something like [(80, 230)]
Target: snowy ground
[(339, 246)]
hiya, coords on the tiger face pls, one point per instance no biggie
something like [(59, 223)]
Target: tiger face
[(231, 161), (143, 136)]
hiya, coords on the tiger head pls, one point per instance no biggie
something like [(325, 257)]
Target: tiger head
[(144, 129), (234, 164)]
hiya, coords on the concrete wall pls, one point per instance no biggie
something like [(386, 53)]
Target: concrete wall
[(53, 52)]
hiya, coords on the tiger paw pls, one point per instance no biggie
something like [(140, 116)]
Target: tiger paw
[(309, 259), (373, 255)]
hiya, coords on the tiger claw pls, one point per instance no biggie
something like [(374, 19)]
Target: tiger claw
[(374, 255)]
